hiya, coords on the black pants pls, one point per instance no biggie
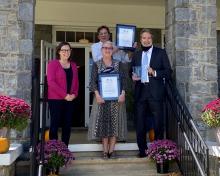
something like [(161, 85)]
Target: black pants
[(61, 112), (146, 106)]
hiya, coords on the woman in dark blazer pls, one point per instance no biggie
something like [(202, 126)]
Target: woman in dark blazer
[(62, 78)]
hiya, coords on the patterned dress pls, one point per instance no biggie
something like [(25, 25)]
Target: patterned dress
[(108, 119)]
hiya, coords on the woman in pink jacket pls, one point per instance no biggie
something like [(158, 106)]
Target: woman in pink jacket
[(62, 78)]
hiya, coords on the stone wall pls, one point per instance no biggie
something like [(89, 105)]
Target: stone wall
[(16, 47), (7, 170), (191, 46), (218, 58)]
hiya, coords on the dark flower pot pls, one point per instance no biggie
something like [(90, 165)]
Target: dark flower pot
[(162, 168)]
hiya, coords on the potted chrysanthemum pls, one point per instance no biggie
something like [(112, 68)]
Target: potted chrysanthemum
[(14, 113), (56, 155), (163, 151), (211, 116)]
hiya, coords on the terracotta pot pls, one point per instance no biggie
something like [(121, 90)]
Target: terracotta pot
[(52, 172)]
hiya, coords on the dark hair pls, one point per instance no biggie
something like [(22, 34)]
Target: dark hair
[(58, 48), (103, 27), (146, 30)]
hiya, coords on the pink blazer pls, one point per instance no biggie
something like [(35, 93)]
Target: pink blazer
[(56, 79)]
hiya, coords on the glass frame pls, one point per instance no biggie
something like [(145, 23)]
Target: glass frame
[(115, 92), (122, 31)]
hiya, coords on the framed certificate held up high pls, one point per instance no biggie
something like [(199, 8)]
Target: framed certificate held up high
[(125, 36), (109, 86)]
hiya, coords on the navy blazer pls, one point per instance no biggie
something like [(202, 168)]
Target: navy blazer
[(159, 61)]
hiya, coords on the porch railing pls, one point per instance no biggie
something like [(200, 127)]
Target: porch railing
[(35, 121), (194, 159), (39, 106)]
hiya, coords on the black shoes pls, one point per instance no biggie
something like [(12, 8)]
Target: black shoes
[(112, 155), (142, 155), (105, 155)]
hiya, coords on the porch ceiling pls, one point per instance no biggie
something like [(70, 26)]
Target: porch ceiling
[(125, 2)]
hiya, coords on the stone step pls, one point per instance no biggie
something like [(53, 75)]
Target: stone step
[(122, 166)]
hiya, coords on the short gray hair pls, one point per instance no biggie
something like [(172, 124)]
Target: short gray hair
[(108, 42), (146, 30)]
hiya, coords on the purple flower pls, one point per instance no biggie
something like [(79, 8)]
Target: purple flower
[(163, 150), (56, 154)]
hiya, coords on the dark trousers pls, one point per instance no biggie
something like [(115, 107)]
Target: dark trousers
[(146, 106), (61, 113)]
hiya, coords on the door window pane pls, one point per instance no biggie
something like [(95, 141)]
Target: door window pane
[(60, 36), (79, 35), (70, 36), (89, 36)]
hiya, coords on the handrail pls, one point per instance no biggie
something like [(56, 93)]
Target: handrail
[(184, 107), (42, 140), (178, 111), (35, 115), (194, 155), (197, 132)]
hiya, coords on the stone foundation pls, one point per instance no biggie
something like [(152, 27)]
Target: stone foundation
[(7, 170)]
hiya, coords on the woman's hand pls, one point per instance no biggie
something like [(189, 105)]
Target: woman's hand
[(99, 99), (121, 98), (70, 97)]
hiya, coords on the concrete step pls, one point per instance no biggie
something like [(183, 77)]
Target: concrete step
[(90, 163), (98, 154), (126, 164)]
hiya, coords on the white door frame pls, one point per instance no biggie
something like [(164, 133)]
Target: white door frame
[(87, 105)]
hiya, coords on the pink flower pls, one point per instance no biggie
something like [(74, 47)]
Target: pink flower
[(14, 112), (211, 113)]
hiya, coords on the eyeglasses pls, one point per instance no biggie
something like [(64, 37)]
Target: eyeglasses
[(65, 50), (103, 33), (107, 48)]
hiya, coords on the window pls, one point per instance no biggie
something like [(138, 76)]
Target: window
[(70, 36), (75, 36), (60, 36)]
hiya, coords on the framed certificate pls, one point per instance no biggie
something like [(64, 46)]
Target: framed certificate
[(109, 86), (125, 36)]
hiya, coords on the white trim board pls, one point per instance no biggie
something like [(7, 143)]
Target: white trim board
[(98, 147), (14, 152)]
